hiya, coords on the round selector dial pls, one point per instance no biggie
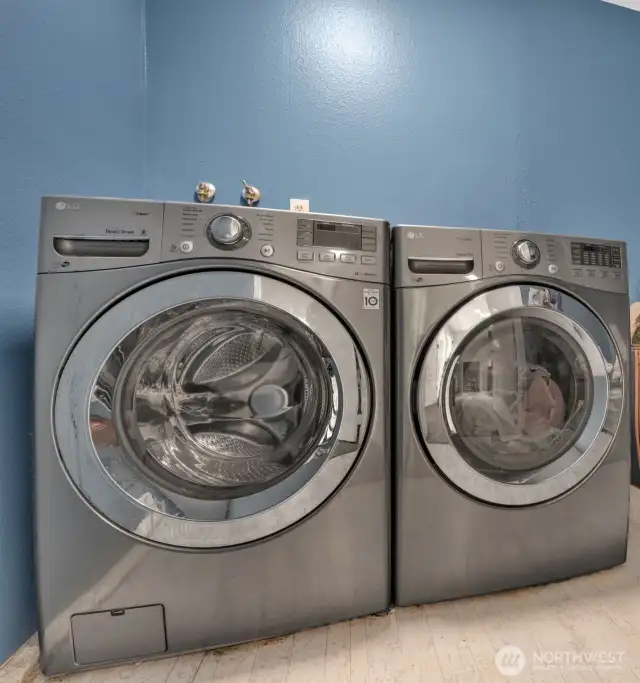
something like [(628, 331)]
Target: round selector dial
[(526, 253), (228, 232)]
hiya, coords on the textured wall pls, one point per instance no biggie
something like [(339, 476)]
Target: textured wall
[(71, 121), (497, 113)]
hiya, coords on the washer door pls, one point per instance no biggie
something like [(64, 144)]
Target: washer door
[(519, 395), (212, 409)]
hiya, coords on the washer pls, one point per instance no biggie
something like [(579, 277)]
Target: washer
[(212, 450), (513, 441)]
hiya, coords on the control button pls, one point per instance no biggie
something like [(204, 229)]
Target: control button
[(553, 268), (305, 239), (368, 260), (526, 253), (305, 224), (604, 273), (369, 231), (576, 272), (499, 265), (368, 244), (267, 250), (616, 275), (186, 247), (348, 258), (305, 255), (591, 272), (327, 256)]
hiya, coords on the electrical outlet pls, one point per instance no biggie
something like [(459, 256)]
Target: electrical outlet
[(299, 205)]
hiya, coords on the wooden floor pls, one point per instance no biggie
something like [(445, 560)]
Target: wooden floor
[(589, 626)]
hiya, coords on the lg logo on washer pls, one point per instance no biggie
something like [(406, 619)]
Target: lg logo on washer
[(415, 235), (61, 206)]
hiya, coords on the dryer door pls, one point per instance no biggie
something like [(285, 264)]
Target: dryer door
[(212, 409), (519, 396)]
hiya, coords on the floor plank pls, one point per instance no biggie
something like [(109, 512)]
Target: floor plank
[(272, 661), (308, 656), (338, 659), (236, 664)]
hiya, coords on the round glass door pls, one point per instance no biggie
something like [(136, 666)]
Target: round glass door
[(520, 393), (222, 398), (517, 395), (217, 419)]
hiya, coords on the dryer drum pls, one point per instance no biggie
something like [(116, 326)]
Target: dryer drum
[(521, 393)]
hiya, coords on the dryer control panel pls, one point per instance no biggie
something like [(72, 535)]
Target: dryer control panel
[(600, 264), (426, 255), (95, 234)]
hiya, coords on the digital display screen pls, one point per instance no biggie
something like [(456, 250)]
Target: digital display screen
[(603, 255), (337, 236)]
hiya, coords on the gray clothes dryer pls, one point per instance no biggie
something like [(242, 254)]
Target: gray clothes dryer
[(212, 445), (513, 438)]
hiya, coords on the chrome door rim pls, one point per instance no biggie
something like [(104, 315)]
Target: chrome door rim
[(308, 487), (578, 462)]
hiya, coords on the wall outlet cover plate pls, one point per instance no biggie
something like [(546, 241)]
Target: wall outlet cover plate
[(299, 205)]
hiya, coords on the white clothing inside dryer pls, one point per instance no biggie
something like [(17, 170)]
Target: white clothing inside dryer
[(533, 421)]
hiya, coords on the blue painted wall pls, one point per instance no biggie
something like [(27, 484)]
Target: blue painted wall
[(496, 113), (71, 121)]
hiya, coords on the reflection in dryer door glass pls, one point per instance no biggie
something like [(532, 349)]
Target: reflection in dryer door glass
[(221, 399), (520, 392)]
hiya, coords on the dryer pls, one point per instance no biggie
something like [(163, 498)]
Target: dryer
[(212, 449), (513, 440)]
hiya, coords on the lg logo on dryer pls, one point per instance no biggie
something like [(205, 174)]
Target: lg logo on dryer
[(61, 206), (371, 299)]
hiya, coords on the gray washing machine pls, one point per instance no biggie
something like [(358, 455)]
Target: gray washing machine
[(513, 438), (212, 445)]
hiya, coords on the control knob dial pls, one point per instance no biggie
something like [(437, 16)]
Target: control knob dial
[(526, 253), (228, 232)]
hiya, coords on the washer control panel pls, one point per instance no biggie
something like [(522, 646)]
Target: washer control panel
[(95, 233), (336, 242), (353, 248)]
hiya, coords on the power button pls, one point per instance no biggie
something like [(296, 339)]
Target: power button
[(186, 247)]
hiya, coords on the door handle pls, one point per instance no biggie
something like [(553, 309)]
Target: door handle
[(435, 265)]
